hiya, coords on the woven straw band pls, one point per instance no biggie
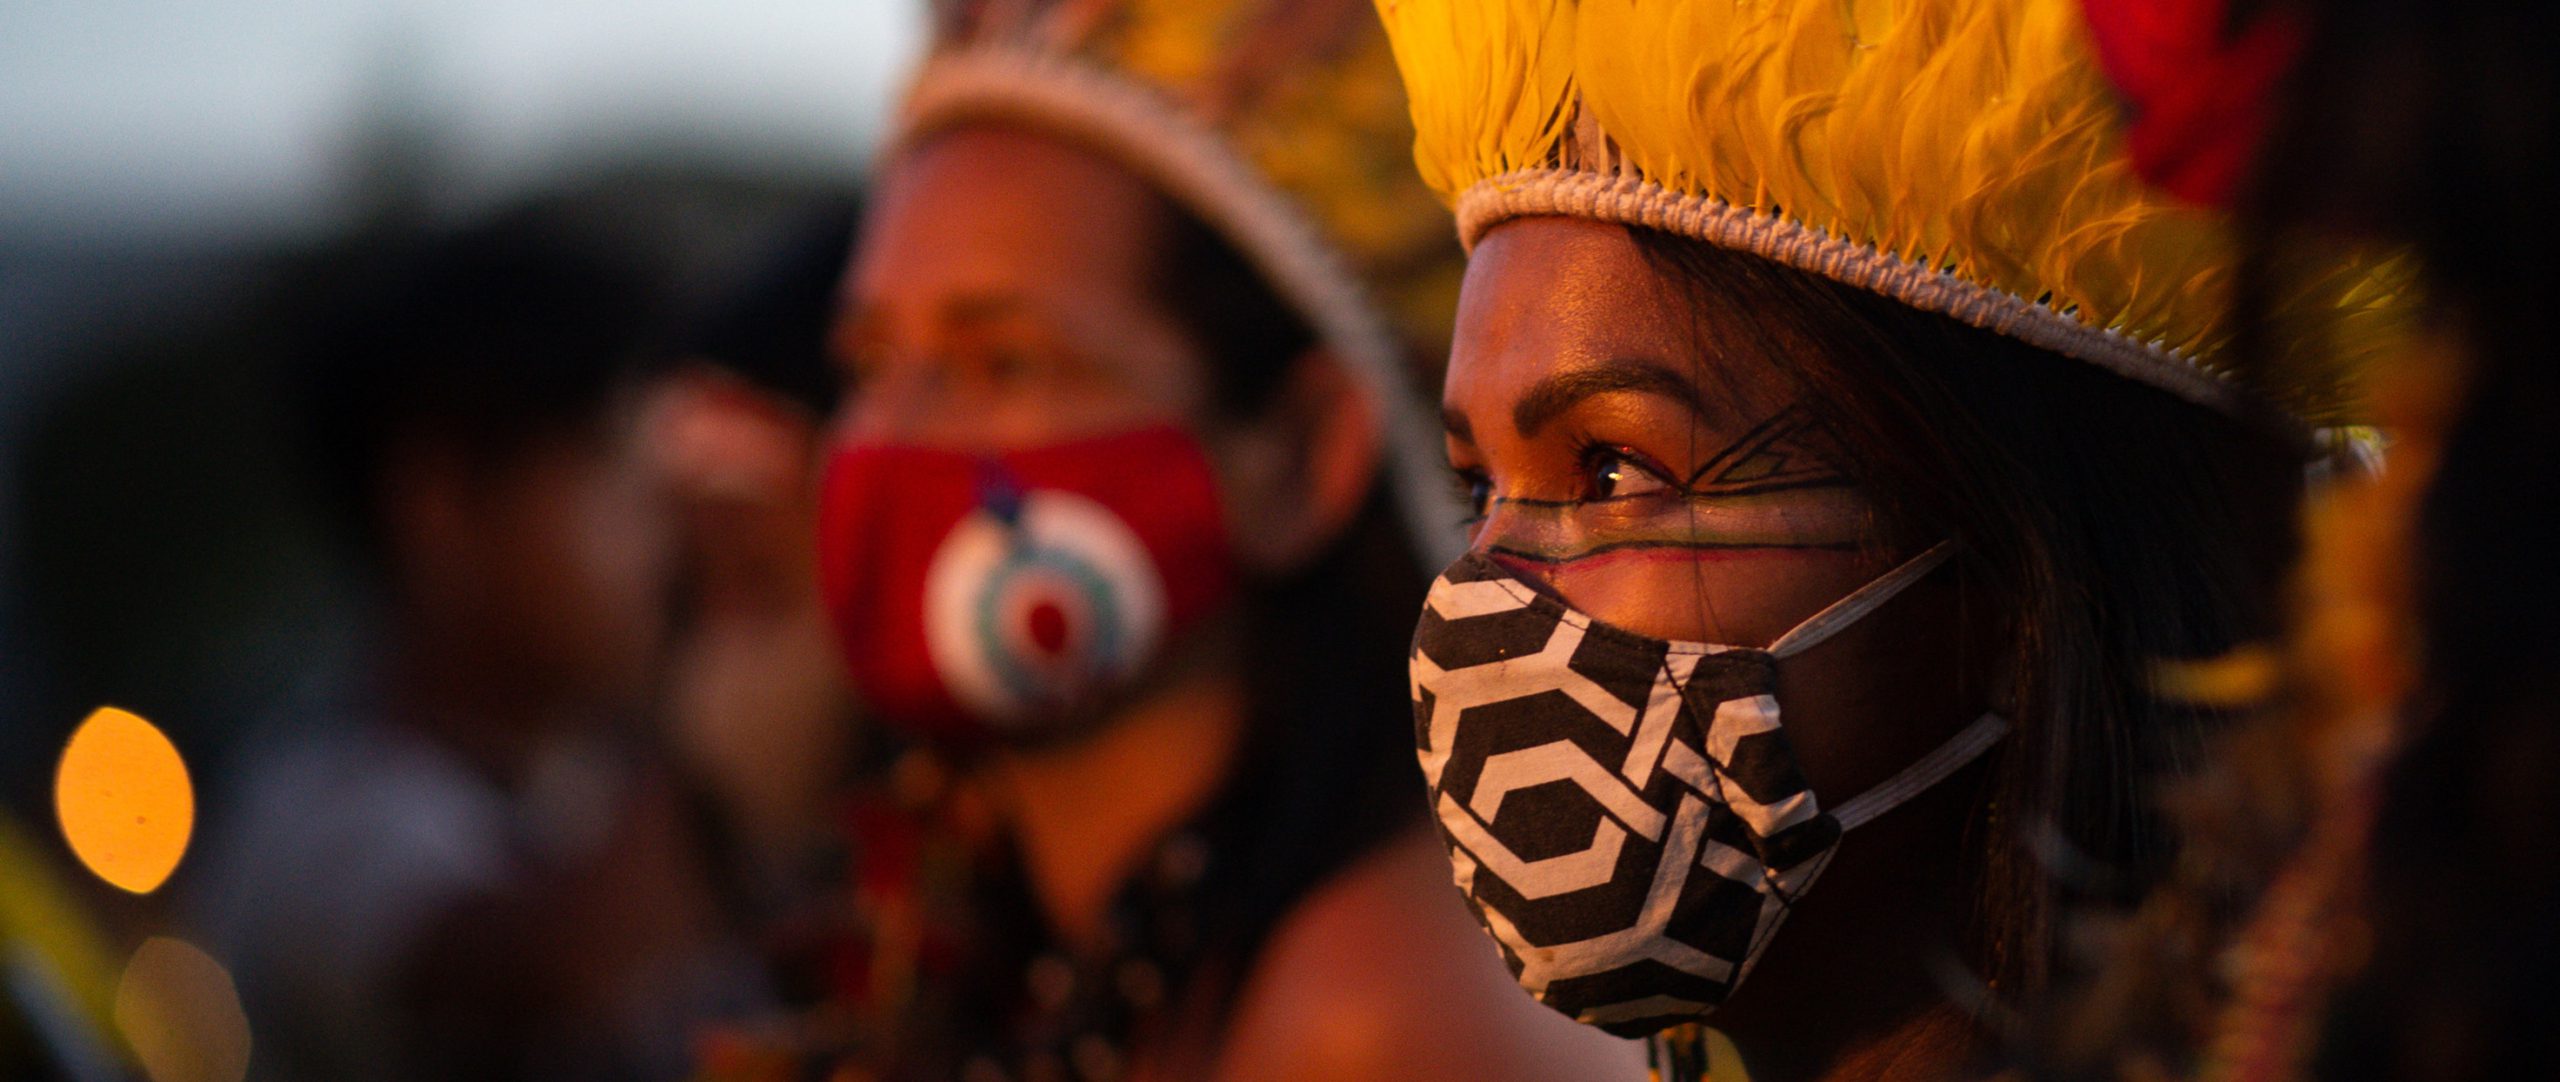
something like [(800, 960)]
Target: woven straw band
[(1628, 200), (1155, 136)]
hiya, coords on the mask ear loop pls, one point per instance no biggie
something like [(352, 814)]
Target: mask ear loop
[(1931, 769), (1865, 599)]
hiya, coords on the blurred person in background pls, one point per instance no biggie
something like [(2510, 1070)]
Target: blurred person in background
[(2434, 125), (757, 706), (1127, 495), (466, 868), (2372, 895)]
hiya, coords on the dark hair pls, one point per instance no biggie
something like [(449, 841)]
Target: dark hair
[(771, 327), (2113, 526), (1327, 765), (491, 337), (1251, 337), (2434, 124)]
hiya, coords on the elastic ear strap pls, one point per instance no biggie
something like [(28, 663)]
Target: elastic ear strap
[(1847, 610), (1932, 768)]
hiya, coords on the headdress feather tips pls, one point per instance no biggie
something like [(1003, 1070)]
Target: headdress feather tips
[(1962, 156)]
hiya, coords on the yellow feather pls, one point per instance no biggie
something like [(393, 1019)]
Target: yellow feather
[(1971, 136)]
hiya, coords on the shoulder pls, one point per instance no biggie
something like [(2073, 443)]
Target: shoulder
[(1382, 973)]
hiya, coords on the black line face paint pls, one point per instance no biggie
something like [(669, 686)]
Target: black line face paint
[(1778, 454), (1771, 490)]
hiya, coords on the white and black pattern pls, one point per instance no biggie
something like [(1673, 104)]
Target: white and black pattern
[(1624, 813)]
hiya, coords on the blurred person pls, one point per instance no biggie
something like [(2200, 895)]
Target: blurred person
[(465, 867), (1849, 433), (757, 704), (1126, 495), (2433, 125), (2374, 896)]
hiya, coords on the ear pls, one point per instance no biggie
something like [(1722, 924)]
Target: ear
[(1295, 475)]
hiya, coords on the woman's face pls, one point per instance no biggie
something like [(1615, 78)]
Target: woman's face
[(1629, 450), (1008, 295)]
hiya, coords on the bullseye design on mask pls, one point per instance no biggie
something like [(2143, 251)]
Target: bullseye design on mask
[(1029, 616), (1625, 813), (1015, 596)]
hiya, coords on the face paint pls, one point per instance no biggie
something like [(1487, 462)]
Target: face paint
[(1561, 532), (1772, 489)]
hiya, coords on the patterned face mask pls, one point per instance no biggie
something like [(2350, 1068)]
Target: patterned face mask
[(987, 599), (1624, 813)]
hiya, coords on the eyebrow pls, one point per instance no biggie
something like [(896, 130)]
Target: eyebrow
[(860, 320), (1454, 421), (1552, 396), (964, 309)]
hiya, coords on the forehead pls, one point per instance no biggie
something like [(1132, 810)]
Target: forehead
[(1005, 210), (1546, 295)]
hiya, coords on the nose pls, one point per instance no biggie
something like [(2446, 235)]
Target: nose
[(1506, 524), (1499, 537)]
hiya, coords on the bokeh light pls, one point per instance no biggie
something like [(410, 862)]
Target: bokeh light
[(124, 799), (181, 1014)]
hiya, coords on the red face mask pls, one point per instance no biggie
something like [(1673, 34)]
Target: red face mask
[(1005, 597)]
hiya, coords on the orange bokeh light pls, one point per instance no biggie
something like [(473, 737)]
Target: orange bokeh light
[(126, 805)]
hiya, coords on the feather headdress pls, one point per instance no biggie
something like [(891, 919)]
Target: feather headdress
[(1279, 123), (1962, 156)]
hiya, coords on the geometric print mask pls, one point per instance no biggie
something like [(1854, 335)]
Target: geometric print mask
[(1625, 813)]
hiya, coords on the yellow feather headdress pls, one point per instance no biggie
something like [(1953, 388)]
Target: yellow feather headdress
[(1279, 123), (1961, 156)]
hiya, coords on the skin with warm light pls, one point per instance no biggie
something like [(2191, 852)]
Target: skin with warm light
[(1667, 478), (1004, 297)]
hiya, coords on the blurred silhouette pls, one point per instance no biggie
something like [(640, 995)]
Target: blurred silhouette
[(2433, 125), (2371, 892), (465, 865), (757, 708)]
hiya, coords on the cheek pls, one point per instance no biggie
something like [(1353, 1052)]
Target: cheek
[(626, 536), (1744, 597), (1886, 691), (593, 560)]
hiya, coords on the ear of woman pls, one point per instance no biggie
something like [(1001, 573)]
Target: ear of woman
[(1296, 474)]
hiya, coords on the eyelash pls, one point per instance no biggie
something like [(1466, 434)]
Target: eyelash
[(1590, 453), (1474, 489), (1473, 486)]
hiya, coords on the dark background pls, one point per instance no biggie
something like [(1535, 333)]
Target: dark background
[(173, 177)]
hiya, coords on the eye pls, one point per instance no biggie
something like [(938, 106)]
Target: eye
[(1475, 491), (1611, 473)]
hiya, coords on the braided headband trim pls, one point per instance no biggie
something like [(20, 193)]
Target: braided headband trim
[(1628, 200), (1149, 132)]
